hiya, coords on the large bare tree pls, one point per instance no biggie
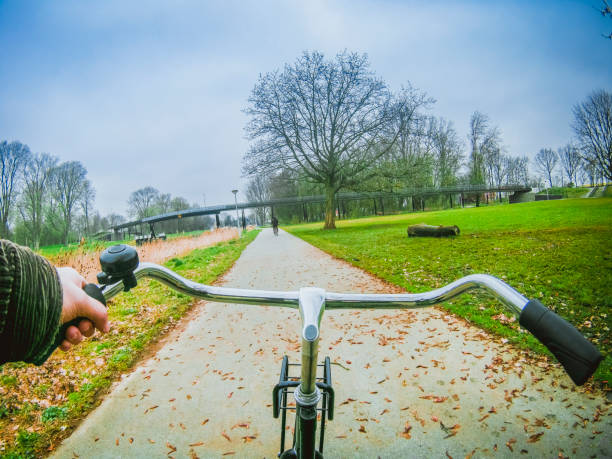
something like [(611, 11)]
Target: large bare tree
[(593, 127), (326, 120), (546, 161), (13, 158), (36, 177)]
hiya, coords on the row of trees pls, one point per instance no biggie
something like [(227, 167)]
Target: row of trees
[(44, 201), (589, 158), (41, 199)]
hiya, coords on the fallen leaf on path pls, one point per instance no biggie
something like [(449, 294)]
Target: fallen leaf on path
[(406, 432), (150, 409), (535, 437)]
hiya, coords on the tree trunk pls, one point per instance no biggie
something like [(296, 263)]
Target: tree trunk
[(330, 215), (432, 231)]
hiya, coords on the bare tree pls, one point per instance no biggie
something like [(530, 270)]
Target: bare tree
[(36, 176), (484, 141), (164, 203), (115, 219), (87, 202), (448, 152), (141, 202), (13, 157), (606, 11), (328, 121), (570, 161), (258, 189), (516, 170), (593, 127), (179, 203), (67, 182), (546, 161)]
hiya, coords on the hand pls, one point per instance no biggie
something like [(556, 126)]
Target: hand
[(77, 303)]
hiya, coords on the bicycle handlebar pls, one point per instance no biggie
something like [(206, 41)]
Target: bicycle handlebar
[(577, 355)]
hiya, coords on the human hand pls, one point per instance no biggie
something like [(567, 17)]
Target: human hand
[(77, 303)]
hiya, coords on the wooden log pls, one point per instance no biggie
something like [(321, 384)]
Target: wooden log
[(432, 231)]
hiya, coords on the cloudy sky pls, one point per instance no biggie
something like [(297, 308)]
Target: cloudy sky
[(152, 92)]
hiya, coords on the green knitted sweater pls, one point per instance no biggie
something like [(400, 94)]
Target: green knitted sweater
[(30, 305)]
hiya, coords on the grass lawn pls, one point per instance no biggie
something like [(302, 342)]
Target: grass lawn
[(557, 251), (40, 405), (574, 192)]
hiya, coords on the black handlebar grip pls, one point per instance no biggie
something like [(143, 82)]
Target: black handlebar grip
[(577, 355), (93, 291)]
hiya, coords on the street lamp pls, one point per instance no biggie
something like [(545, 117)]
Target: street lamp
[(236, 202)]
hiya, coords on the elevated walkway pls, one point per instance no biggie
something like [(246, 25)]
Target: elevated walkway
[(347, 196)]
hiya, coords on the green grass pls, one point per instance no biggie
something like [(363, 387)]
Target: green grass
[(556, 251), (135, 333), (567, 192)]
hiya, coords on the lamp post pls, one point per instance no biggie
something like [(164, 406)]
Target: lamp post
[(237, 218)]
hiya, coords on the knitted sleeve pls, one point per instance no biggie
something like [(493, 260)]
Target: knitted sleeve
[(30, 305)]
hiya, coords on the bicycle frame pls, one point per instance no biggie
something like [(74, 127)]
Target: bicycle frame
[(312, 303)]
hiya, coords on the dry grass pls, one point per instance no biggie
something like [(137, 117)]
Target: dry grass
[(155, 252)]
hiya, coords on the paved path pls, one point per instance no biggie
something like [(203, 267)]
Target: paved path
[(410, 384)]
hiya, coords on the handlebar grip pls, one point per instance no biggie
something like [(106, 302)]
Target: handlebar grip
[(577, 355), (93, 291)]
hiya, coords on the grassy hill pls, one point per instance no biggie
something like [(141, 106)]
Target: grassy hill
[(556, 251)]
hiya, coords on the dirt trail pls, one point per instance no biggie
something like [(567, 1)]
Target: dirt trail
[(418, 383)]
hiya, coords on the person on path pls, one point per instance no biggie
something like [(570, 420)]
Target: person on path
[(35, 300), (275, 225)]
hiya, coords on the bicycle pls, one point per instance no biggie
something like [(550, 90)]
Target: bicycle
[(121, 270), (275, 226)]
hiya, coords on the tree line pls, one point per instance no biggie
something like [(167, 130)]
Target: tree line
[(322, 126), (148, 201), (44, 201)]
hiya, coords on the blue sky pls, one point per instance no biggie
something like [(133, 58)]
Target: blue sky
[(151, 93)]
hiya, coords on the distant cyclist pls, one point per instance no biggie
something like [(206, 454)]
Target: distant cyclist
[(275, 225)]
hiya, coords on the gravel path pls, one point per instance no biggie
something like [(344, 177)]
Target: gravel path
[(419, 383)]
